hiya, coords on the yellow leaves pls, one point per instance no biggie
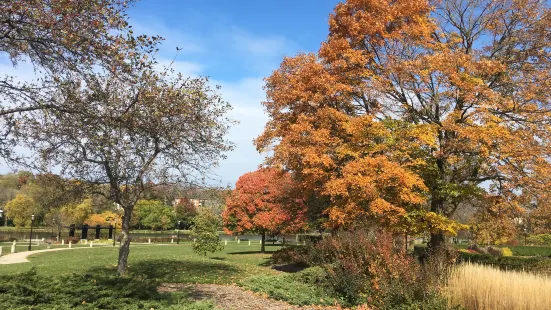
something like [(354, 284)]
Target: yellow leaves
[(438, 223)]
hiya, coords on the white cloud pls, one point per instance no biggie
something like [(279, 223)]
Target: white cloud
[(271, 46), (245, 96)]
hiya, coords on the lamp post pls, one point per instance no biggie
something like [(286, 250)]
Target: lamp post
[(1, 214), (31, 235), (114, 231), (178, 233), (524, 236)]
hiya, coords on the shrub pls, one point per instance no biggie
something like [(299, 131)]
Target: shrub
[(302, 288), (494, 251), (363, 266), (541, 239), (478, 249), (533, 264), (73, 240), (291, 255), (507, 252), (89, 291), (205, 231), (420, 250)]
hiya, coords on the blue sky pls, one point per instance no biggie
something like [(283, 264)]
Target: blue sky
[(236, 44)]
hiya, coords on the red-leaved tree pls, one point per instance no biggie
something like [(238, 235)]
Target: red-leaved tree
[(264, 201)]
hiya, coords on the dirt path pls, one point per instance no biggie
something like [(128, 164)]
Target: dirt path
[(233, 297)]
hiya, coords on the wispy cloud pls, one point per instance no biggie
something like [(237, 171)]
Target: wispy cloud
[(260, 46)]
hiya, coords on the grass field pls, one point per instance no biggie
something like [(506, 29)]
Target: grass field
[(86, 278), (166, 263)]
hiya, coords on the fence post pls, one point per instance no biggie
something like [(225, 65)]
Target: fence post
[(0, 251), (225, 242), (62, 241), (110, 232), (98, 229), (249, 242), (70, 244), (13, 248), (91, 244)]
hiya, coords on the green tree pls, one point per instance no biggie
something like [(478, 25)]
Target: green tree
[(77, 213), (154, 214), (205, 232), (185, 212), (20, 209)]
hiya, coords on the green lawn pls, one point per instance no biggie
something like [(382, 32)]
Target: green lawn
[(165, 263), (86, 278)]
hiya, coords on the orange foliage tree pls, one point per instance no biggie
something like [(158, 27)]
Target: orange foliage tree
[(104, 218), (496, 222), (264, 201), (540, 219), (415, 107)]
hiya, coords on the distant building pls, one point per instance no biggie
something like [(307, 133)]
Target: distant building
[(194, 201)]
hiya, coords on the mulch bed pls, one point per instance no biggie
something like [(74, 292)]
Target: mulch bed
[(232, 297)]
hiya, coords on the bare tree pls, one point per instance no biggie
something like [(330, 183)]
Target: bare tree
[(131, 135), (59, 39)]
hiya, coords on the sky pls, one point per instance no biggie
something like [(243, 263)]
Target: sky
[(236, 44)]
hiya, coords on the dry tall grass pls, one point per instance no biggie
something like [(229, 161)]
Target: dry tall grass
[(483, 288)]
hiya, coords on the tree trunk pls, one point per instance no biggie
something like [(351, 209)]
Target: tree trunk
[(263, 246), (124, 249), (437, 239)]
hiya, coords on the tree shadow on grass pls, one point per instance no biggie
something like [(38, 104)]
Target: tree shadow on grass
[(270, 249), (290, 268), (249, 252), (166, 270)]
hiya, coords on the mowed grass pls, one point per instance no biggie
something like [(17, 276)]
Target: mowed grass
[(164, 263), (86, 278), (482, 287)]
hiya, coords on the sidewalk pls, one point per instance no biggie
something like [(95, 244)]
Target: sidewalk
[(21, 257)]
